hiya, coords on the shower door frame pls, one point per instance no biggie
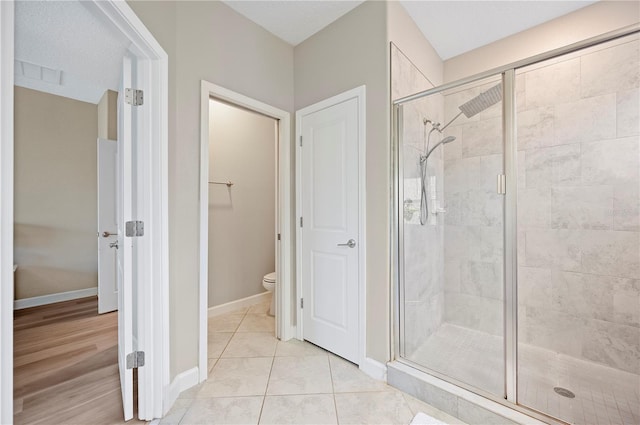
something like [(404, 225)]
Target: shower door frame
[(510, 167)]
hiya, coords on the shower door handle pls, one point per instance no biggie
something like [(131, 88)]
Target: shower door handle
[(350, 243)]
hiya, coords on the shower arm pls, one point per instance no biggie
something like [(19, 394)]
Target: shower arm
[(449, 123)]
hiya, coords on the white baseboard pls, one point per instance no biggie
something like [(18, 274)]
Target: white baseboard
[(182, 382), (54, 298), (374, 369), (237, 304)]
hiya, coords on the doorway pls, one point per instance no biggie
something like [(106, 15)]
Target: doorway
[(242, 204), (148, 71), (220, 194), (63, 346)]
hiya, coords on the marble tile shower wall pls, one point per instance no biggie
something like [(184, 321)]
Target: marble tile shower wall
[(473, 244), (578, 205), (423, 245), (578, 208)]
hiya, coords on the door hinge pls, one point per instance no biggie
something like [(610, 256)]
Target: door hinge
[(300, 141), (301, 222), (135, 359), (278, 236), (301, 302), (134, 97), (502, 184), (134, 228)]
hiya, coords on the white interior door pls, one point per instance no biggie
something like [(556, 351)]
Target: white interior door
[(124, 274), (107, 226), (330, 229)]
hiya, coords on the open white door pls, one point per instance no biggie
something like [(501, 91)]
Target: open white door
[(107, 226), (330, 224), (124, 275)]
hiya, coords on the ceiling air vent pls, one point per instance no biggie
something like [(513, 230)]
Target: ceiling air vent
[(38, 72)]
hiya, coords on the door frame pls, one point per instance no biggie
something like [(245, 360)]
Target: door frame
[(284, 328), (358, 93), (152, 171)]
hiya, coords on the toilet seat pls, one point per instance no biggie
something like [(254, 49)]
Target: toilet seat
[(269, 278)]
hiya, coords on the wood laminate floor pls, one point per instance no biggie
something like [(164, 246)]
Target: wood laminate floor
[(66, 365)]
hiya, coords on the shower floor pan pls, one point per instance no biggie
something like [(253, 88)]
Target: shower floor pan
[(603, 395)]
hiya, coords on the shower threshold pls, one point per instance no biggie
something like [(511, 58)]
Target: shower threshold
[(571, 389), (466, 405)]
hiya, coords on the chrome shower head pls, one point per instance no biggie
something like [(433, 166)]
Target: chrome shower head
[(478, 104), (482, 101), (444, 141)]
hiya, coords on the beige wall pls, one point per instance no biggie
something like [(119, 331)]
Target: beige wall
[(204, 40), (108, 116), (242, 149), (55, 194), (584, 23), (351, 52)]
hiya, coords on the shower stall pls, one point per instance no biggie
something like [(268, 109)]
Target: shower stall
[(517, 233)]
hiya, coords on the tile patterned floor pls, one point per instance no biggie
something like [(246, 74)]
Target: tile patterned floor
[(604, 395), (256, 379)]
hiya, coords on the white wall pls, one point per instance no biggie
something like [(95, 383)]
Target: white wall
[(242, 149), (204, 40), (598, 18), (55, 194)]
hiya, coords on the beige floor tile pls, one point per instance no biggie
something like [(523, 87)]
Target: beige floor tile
[(299, 409), (418, 406), (251, 344), (373, 408), (237, 377), (348, 378), (191, 392), (177, 412), (217, 342), (257, 323), (231, 410), (210, 364), (261, 308), (225, 322), (300, 375), (296, 348)]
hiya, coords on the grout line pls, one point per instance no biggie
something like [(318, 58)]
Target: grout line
[(264, 397), (333, 390)]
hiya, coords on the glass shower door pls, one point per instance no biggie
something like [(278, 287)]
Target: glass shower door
[(579, 234), (451, 155)]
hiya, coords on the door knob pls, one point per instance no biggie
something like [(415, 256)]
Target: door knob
[(114, 245), (107, 234), (350, 243)]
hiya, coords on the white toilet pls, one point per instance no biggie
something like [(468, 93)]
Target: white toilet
[(269, 283)]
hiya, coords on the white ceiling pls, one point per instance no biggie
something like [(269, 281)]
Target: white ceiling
[(452, 27), (69, 43), (456, 27), (293, 20), (67, 36)]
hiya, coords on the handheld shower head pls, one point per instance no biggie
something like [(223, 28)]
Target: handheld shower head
[(444, 141), (424, 207)]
